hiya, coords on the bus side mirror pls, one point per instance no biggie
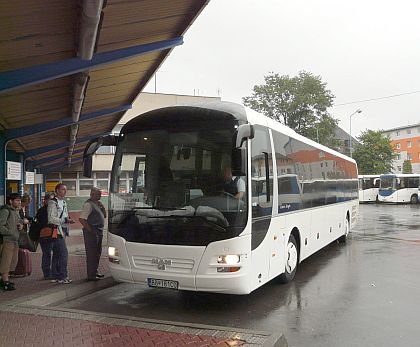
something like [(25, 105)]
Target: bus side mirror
[(92, 146), (244, 131), (87, 166)]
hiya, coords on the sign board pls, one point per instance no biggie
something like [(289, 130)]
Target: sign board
[(13, 187), (14, 171), (39, 178), (50, 186), (29, 177)]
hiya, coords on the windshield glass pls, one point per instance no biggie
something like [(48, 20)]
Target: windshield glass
[(387, 183), (169, 186)]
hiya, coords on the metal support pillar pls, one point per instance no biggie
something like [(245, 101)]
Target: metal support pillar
[(2, 169)]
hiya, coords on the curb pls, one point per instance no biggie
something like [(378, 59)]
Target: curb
[(70, 292)]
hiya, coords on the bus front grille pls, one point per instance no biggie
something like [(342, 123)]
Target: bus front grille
[(175, 265)]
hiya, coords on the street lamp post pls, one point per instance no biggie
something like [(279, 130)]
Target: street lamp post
[(350, 144)]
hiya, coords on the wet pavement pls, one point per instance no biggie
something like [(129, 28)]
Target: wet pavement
[(364, 293), (30, 316)]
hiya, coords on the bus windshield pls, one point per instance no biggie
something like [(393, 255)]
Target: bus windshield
[(388, 183), (167, 186)]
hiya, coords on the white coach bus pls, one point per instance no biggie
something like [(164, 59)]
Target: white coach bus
[(399, 188), (176, 227), (369, 188)]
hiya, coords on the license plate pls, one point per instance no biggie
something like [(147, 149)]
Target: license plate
[(156, 282)]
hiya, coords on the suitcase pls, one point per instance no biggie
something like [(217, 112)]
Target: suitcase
[(24, 265)]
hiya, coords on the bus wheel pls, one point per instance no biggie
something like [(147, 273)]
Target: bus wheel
[(292, 259), (343, 239), (414, 199)]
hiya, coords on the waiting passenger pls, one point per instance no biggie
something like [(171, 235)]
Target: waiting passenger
[(10, 227)]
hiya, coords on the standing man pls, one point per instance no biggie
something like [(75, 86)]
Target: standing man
[(59, 216), (10, 226), (92, 218), (46, 243)]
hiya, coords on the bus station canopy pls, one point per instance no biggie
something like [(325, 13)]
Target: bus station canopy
[(70, 69)]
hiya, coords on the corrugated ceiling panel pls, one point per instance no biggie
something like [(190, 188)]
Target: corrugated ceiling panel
[(43, 102), (62, 151), (36, 32), (134, 23), (52, 162), (126, 67), (94, 127), (46, 138)]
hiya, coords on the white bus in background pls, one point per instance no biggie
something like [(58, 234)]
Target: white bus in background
[(178, 229), (369, 188), (399, 188)]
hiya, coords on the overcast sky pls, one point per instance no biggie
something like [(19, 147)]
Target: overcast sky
[(362, 49)]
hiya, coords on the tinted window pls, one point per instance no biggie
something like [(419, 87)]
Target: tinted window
[(261, 173), (321, 178), (413, 182)]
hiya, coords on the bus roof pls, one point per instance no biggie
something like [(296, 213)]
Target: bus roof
[(239, 112), (400, 175)]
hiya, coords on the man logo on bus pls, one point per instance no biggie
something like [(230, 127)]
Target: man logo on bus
[(161, 263)]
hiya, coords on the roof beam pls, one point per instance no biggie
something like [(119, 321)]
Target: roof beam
[(14, 79), (15, 133), (35, 163), (45, 149), (54, 167)]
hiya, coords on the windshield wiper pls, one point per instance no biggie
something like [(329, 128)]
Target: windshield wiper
[(158, 208), (212, 223)]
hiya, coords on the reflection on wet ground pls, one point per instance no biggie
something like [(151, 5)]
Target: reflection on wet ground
[(364, 293)]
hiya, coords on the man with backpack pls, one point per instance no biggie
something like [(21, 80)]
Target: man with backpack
[(58, 218), (10, 227)]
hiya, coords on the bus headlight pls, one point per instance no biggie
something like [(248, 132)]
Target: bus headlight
[(113, 255), (228, 260), (113, 252)]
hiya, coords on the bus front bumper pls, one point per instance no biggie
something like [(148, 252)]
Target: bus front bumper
[(132, 265)]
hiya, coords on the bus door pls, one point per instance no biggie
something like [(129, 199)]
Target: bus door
[(262, 204)]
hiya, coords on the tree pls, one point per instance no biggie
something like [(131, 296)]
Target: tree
[(374, 154), (299, 102), (407, 168)]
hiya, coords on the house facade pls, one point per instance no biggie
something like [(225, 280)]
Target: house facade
[(406, 143)]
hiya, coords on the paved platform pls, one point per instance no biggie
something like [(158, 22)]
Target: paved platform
[(29, 316)]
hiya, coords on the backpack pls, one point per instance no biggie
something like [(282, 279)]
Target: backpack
[(40, 221), (1, 236)]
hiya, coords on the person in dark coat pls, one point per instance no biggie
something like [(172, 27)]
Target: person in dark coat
[(46, 243)]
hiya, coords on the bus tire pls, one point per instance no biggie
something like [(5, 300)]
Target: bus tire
[(292, 260), (343, 239), (414, 199)]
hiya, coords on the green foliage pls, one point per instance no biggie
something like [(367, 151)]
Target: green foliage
[(407, 168), (299, 102), (374, 154)]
